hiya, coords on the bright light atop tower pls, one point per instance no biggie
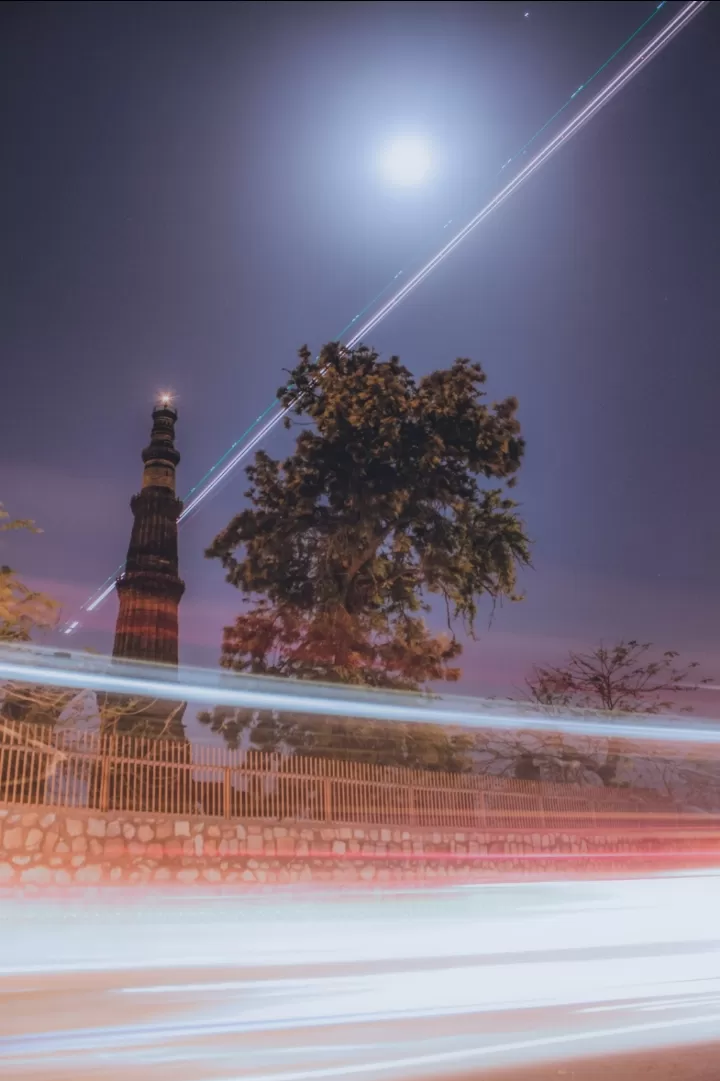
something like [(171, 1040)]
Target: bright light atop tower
[(406, 161), (165, 398)]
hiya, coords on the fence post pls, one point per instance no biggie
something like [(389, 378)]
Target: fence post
[(482, 817), (327, 798), (411, 805), (105, 760), (227, 793)]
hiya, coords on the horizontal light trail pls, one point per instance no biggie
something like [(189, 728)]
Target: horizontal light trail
[(116, 1037), (300, 985), (291, 929), (709, 857), (210, 687), (229, 461), (468, 1054)]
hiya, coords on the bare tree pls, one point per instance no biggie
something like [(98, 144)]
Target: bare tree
[(627, 678), (620, 679)]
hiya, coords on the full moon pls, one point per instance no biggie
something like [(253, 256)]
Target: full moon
[(406, 161)]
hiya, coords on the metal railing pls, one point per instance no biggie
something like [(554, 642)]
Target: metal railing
[(44, 767)]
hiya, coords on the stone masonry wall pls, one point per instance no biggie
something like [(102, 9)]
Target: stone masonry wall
[(46, 847)]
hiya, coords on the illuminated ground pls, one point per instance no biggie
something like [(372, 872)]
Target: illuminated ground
[(196, 987)]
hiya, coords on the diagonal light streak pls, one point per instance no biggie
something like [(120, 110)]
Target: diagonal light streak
[(593, 107)]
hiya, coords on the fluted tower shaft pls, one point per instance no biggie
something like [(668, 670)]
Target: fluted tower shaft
[(150, 587)]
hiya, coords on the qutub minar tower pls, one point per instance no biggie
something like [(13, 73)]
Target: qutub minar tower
[(150, 588)]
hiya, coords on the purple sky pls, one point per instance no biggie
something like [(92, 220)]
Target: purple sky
[(190, 193)]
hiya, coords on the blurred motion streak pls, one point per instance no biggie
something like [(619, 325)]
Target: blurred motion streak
[(261, 427), (34, 665), (327, 984), (663, 37), (435, 923)]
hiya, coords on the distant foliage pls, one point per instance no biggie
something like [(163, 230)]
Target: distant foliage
[(22, 610), (381, 505), (413, 746)]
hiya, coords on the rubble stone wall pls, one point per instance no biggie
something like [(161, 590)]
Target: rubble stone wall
[(59, 847)]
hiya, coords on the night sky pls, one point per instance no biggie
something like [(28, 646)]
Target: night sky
[(190, 192)]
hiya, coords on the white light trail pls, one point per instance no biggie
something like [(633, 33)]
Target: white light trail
[(210, 687), (243, 452), (631, 69), (661, 39), (468, 1054), (623, 77), (91, 607), (449, 976)]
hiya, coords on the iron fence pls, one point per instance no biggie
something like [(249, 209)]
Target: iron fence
[(42, 766)]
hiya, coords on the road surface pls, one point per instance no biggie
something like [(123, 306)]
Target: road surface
[(289, 986)]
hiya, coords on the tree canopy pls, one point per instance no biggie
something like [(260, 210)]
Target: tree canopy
[(395, 492), (22, 610), (23, 613)]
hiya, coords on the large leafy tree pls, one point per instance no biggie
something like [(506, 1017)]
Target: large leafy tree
[(395, 492)]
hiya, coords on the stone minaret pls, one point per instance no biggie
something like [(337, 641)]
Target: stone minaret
[(150, 588)]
